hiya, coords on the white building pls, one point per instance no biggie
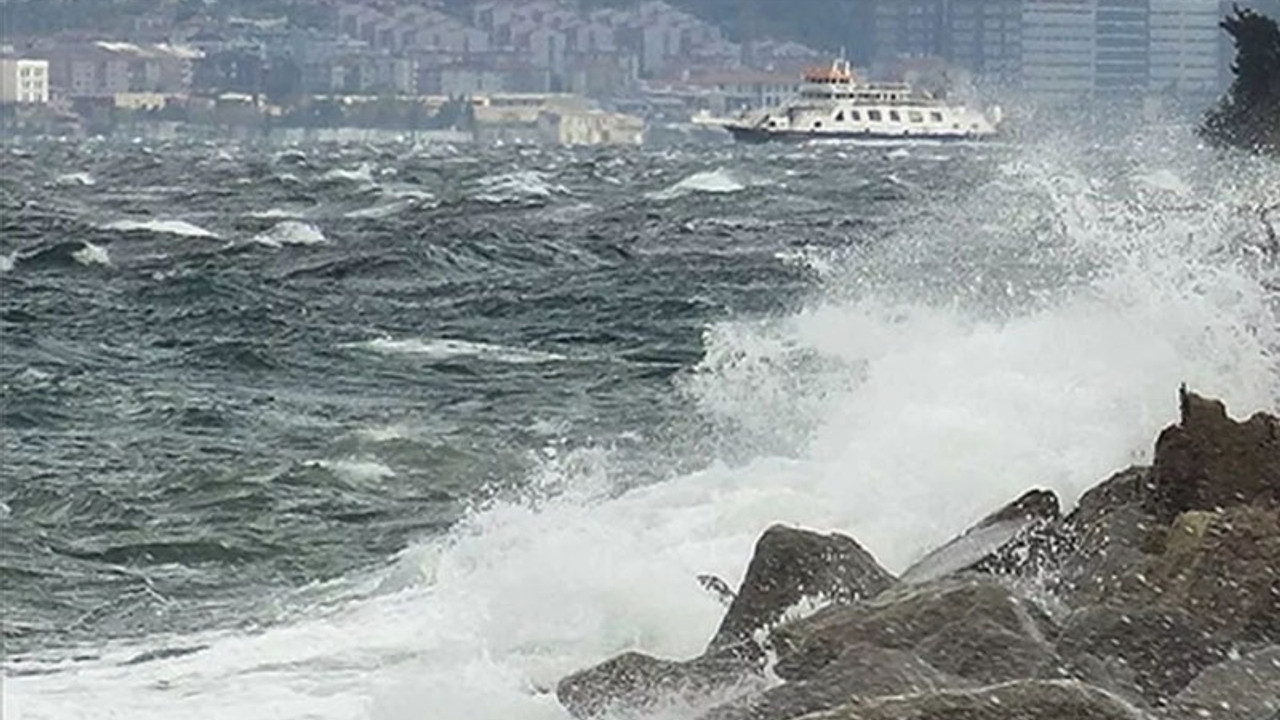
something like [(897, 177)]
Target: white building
[(1059, 46), (1185, 42), (24, 81)]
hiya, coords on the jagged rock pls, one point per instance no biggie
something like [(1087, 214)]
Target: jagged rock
[(1109, 535), (1010, 541), (1249, 116), (790, 566), (1243, 688), (1209, 461), (1023, 700), (906, 617), (862, 671), (978, 648), (1224, 568), (1164, 649), (635, 682)]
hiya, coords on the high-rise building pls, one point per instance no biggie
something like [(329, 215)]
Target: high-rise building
[(1059, 46), (1185, 40), (1123, 45), (907, 29), (985, 38)]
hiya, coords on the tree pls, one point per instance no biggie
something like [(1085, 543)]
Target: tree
[(1249, 115)]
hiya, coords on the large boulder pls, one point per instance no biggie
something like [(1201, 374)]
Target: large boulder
[(1224, 568), (1209, 461), (1159, 650), (930, 618), (863, 671), (1024, 700), (1243, 688), (634, 682), (1105, 539), (789, 567), (1014, 540)]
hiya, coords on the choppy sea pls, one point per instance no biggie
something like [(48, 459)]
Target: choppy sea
[(411, 431)]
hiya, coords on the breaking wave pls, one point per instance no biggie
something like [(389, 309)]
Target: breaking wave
[(1030, 330), (162, 227), (291, 232)]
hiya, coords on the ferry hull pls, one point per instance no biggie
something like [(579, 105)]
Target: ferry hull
[(759, 136)]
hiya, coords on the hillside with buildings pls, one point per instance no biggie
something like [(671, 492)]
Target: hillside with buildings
[(402, 64)]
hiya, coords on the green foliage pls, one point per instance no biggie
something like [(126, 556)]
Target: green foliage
[(1249, 115)]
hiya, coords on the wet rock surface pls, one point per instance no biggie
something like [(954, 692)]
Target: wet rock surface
[(1157, 596)]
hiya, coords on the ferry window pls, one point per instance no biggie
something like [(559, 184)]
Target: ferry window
[(935, 116), (818, 124), (873, 115), (855, 116), (840, 116), (894, 116), (915, 117)]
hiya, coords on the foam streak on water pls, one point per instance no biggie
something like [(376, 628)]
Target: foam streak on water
[(1032, 335)]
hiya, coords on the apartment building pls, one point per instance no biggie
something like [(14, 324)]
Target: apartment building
[(24, 81)]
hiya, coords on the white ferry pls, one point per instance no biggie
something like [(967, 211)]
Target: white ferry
[(833, 104)]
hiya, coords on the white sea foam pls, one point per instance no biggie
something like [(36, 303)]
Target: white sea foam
[(291, 232), (92, 254), (715, 182), (357, 470), (8, 261), (276, 213), (77, 179), (449, 348), (521, 186), (918, 414), (162, 227), (362, 174)]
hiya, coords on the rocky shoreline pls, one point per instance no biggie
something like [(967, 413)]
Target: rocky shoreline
[(1157, 597)]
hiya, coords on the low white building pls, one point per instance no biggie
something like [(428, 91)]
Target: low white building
[(24, 81)]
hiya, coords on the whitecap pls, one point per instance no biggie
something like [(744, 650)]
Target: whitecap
[(715, 182), (517, 187), (448, 349), (362, 174), (92, 254), (8, 261), (275, 213), (77, 179), (355, 470), (291, 232), (161, 227)]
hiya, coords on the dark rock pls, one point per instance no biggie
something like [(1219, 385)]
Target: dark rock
[(904, 618), (1244, 688), (1024, 700), (1209, 461), (1224, 568), (862, 671), (980, 649), (1164, 649), (636, 682), (790, 566), (1010, 541), (1249, 116)]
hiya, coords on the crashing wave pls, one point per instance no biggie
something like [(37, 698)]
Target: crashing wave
[(161, 227)]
